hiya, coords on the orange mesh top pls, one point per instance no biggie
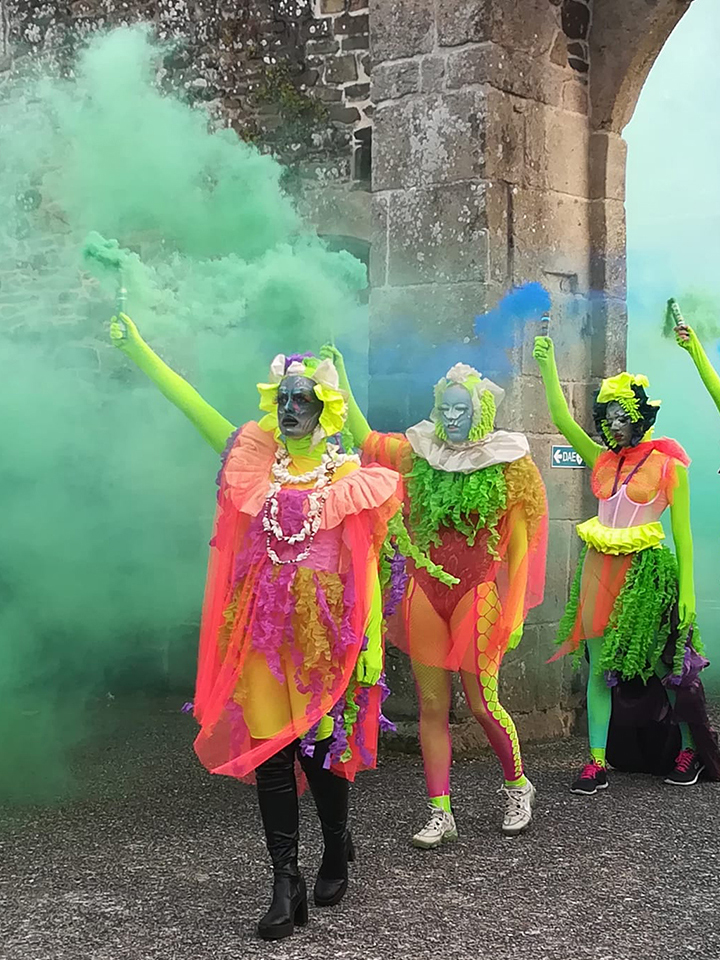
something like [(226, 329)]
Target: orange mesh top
[(651, 467)]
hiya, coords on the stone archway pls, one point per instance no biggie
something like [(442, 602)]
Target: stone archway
[(498, 158)]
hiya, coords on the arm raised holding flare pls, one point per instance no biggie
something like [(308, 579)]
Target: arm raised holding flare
[(686, 338), (291, 640), (476, 507), (628, 584), (212, 426), (544, 354)]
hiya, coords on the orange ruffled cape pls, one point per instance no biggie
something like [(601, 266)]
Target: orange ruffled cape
[(245, 710)]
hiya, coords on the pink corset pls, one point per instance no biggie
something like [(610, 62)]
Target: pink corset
[(619, 511)]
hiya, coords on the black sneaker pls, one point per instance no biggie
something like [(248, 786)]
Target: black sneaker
[(592, 778), (688, 768)]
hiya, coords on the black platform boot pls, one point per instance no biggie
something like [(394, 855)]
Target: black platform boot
[(277, 795), (331, 799)]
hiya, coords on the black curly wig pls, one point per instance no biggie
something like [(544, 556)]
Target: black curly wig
[(648, 414)]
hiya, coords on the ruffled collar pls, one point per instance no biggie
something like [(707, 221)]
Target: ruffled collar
[(665, 445), (246, 478), (500, 446)]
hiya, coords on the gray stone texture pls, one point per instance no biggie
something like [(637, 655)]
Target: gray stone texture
[(400, 29), (426, 140)]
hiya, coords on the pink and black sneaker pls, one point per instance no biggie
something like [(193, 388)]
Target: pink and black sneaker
[(688, 768), (592, 778)]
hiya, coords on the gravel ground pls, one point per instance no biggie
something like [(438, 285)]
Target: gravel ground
[(156, 860)]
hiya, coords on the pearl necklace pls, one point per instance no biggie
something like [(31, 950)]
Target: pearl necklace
[(321, 476)]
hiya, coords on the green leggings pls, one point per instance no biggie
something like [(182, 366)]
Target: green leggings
[(599, 701)]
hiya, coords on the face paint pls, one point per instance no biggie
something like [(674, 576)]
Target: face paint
[(298, 408), (620, 424), (456, 413)]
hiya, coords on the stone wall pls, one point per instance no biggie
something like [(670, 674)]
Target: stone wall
[(491, 130), (496, 162), (290, 75)]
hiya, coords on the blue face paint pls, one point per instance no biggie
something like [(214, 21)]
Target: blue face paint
[(456, 413)]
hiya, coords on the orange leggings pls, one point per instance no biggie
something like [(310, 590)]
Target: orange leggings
[(432, 641)]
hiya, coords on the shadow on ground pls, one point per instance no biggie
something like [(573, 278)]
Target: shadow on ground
[(156, 860)]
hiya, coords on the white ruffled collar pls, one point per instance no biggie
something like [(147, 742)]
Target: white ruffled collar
[(500, 446)]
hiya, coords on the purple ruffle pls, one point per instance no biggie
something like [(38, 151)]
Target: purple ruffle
[(226, 453), (386, 726), (398, 583), (693, 665), (187, 707), (362, 699), (296, 358)]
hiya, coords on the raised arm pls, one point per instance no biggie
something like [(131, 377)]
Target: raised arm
[(682, 535), (544, 353), (212, 426), (357, 424), (688, 340)]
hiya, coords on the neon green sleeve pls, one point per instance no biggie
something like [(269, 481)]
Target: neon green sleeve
[(682, 536), (356, 421), (588, 449), (370, 662), (707, 372), (211, 425)]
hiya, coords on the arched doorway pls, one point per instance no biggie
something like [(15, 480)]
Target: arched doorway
[(673, 243)]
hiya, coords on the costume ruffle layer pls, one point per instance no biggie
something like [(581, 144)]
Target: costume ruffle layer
[(619, 541)]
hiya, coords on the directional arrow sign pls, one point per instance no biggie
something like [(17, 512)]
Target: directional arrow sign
[(565, 457)]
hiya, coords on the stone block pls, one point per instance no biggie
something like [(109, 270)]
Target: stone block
[(608, 159), (575, 19), (322, 47), (530, 26), (390, 81), (551, 233), (428, 140), (401, 29), (351, 44), (464, 21), (571, 329), (568, 491), (505, 139), (342, 69), (347, 26), (330, 7), (432, 74), (556, 150), (340, 113), (436, 312), (508, 70), (581, 401), (534, 416), (560, 536), (378, 245), (575, 97), (437, 235), (608, 237), (357, 91), (610, 321)]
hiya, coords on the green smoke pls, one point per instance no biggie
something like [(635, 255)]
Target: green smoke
[(674, 250), (107, 492)]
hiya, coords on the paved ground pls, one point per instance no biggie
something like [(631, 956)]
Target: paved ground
[(158, 861)]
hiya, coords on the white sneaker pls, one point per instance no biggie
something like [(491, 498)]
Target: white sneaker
[(440, 828), (518, 808)]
